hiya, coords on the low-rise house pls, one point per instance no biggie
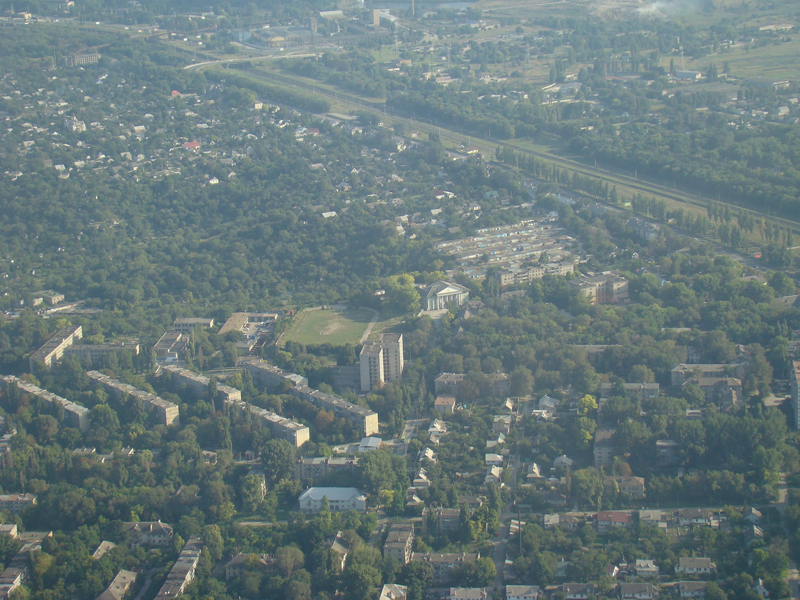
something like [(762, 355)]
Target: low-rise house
[(691, 590), (549, 521), (693, 516), (369, 444), (578, 591), (534, 473), (494, 475), (606, 519), (752, 515), (493, 460), (753, 533), (421, 481), (646, 567), (633, 487), (637, 591), (695, 566), (563, 461), (427, 454), (444, 563), (523, 592), (472, 502), (339, 499), (653, 517), (264, 563), (502, 424), (392, 591), (437, 427), (555, 499), (547, 403), (760, 589)]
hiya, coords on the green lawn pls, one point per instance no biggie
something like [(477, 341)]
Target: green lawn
[(329, 327)]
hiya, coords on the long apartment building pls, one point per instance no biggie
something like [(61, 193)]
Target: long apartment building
[(522, 275), (93, 352), (266, 375), (63, 343), (381, 362), (52, 351), (75, 415), (293, 432), (199, 384), (166, 412), (17, 570), (366, 419), (183, 571), (317, 467)]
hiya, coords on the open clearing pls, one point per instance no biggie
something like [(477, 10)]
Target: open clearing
[(768, 63), (337, 327)]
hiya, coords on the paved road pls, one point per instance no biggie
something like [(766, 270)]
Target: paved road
[(500, 541), (147, 582), (408, 434)]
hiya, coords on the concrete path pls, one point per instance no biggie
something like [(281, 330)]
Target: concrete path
[(370, 325)]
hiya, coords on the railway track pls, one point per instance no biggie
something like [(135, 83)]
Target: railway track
[(612, 177)]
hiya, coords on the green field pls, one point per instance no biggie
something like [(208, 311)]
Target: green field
[(329, 327), (768, 63)]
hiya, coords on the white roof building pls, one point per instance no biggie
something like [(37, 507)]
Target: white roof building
[(339, 499)]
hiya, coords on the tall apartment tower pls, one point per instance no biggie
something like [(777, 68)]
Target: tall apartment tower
[(381, 362), (372, 367), (392, 344)]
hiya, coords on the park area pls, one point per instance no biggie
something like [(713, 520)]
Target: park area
[(329, 326)]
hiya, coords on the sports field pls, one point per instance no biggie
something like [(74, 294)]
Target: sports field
[(337, 327)]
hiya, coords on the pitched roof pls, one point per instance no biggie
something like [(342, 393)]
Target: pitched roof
[(331, 493)]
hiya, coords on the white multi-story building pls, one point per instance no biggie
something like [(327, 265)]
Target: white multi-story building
[(340, 499), (392, 345), (372, 368), (382, 362)]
